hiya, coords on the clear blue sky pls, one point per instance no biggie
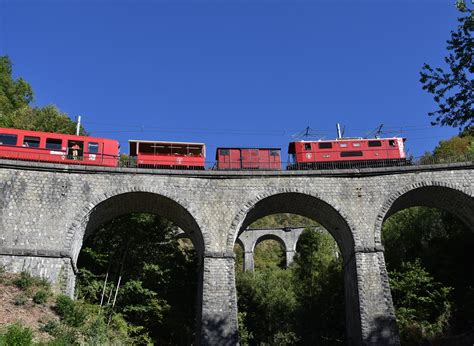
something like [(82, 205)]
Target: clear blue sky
[(245, 73)]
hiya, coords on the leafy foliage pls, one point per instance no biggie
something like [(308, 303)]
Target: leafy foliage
[(300, 305), (14, 94), (158, 276), (16, 334), (453, 90), (422, 305)]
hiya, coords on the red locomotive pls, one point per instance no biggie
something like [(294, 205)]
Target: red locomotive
[(346, 152), (55, 147), (248, 158), (175, 155)]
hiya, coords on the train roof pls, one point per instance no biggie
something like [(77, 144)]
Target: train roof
[(164, 142), (247, 148), (11, 130), (347, 139)]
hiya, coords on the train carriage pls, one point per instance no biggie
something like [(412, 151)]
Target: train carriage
[(347, 152), (57, 148), (169, 155), (248, 158)]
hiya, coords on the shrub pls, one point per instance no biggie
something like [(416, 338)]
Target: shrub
[(50, 327), (73, 314), (17, 335), (21, 299), (25, 281), (41, 296)]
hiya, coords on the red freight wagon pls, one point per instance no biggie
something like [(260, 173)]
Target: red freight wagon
[(347, 150), (176, 155), (56, 147), (248, 158)]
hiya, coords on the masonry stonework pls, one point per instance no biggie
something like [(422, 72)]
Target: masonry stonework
[(47, 210)]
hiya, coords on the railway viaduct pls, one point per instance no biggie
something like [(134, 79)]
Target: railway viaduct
[(47, 210)]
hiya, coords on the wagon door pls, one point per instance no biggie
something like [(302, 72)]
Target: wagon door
[(250, 159)]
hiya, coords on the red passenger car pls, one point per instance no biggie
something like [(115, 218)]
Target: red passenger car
[(55, 147), (248, 158), (174, 155), (350, 151)]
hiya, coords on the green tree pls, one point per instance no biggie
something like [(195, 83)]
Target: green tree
[(453, 89), (422, 305), (158, 277), (16, 110), (319, 286), (14, 94)]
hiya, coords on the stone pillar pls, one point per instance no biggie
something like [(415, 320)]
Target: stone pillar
[(373, 321), (219, 300), (248, 261), (289, 257)]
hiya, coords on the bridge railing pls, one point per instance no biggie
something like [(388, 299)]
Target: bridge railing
[(131, 162)]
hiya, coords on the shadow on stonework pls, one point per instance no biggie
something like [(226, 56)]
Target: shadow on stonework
[(219, 331), (384, 331)]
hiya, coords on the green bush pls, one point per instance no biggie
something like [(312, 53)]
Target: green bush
[(17, 335), (50, 327), (25, 281), (21, 299), (70, 312), (41, 296)]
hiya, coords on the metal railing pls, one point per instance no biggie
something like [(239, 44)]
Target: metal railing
[(131, 162)]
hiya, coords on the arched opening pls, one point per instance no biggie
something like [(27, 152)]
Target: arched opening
[(135, 263), (428, 234), (239, 256), (269, 252), (273, 304)]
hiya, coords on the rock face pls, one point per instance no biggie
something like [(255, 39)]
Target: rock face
[(47, 210)]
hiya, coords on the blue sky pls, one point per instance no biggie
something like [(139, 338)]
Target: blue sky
[(245, 73)]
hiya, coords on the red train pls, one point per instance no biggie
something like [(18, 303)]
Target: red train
[(55, 147), (248, 158), (177, 155), (84, 150), (345, 152)]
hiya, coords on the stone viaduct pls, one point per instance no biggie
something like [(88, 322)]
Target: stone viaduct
[(287, 237), (47, 210)]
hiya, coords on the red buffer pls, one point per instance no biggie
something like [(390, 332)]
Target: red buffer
[(59, 148), (248, 158)]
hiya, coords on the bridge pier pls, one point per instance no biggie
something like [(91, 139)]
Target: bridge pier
[(370, 315), (249, 261), (219, 300), (290, 254)]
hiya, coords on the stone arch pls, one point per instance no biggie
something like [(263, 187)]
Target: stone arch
[(121, 202), (241, 244), (433, 194), (269, 237), (299, 202)]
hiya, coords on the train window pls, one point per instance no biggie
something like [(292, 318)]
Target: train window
[(53, 143), (93, 148), (375, 143), (325, 145), (356, 144), (274, 152), (7, 139), (33, 142), (307, 146), (343, 145), (351, 153), (224, 152), (391, 143)]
